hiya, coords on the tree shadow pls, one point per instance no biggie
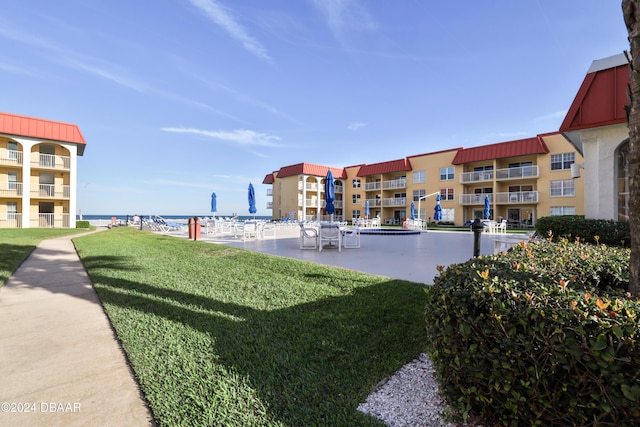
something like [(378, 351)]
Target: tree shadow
[(290, 356)]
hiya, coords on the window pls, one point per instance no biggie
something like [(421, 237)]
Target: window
[(12, 147), (355, 213), (562, 210), (355, 199), (417, 194), (565, 187), (446, 174), (446, 193), (12, 177), (355, 183), (562, 161), (419, 177)]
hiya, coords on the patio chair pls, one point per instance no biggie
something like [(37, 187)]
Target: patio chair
[(268, 230), (351, 237), (330, 234), (308, 237), (249, 231)]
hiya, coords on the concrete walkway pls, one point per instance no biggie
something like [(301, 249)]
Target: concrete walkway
[(60, 363)]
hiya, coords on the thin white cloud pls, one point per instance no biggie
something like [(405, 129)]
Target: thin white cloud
[(242, 137), (552, 116), (356, 126), (345, 16), (221, 16)]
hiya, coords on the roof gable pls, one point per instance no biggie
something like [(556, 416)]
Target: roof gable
[(14, 124), (400, 165), (602, 97), (310, 169), (520, 147)]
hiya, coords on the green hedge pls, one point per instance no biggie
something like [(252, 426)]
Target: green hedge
[(544, 334), (574, 227), (82, 224)]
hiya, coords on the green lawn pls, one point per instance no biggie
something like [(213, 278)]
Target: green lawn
[(223, 336), (17, 244)]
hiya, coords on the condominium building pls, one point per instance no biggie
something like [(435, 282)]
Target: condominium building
[(523, 180), (38, 172)]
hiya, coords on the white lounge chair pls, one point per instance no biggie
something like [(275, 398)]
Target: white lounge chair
[(308, 237), (351, 237), (330, 234)]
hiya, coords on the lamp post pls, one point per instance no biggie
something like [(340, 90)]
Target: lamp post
[(424, 197)]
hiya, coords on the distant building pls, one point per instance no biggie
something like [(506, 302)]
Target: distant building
[(523, 180), (596, 124), (38, 172)]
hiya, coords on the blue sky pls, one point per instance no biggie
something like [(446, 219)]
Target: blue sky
[(180, 98)]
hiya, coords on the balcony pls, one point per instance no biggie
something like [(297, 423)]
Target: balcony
[(372, 203), (394, 184), (394, 201), (372, 186), (517, 197), (11, 220), (477, 176), (11, 189), (309, 186), (474, 199), (50, 161), (50, 191), (10, 157), (50, 220), (338, 189), (524, 172), (269, 191), (269, 205)]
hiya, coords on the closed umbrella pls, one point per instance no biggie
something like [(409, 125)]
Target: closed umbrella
[(487, 208), (413, 211), (437, 212), (329, 193), (366, 209), (252, 200), (214, 208)]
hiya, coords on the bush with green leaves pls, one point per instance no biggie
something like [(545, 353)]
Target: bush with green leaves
[(572, 227), (83, 224), (543, 334)]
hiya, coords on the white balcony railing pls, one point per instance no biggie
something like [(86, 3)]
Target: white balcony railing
[(475, 199), (11, 189), (51, 220), (394, 201), (372, 203), (524, 172), (394, 183), (269, 191), (372, 186), (51, 161), (11, 220), (10, 157), (51, 191), (477, 176), (517, 197)]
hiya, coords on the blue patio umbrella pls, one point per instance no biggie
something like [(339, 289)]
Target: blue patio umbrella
[(413, 211), (252, 200), (437, 211), (329, 193), (366, 209), (487, 208), (214, 208)]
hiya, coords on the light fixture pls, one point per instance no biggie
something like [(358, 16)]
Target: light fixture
[(575, 169)]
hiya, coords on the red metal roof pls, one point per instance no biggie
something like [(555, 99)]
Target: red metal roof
[(310, 169), (14, 124), (269, 179), (520, 147), (400, 165), (601, 99)]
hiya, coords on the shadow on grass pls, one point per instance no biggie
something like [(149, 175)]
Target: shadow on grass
[(309, 364)]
